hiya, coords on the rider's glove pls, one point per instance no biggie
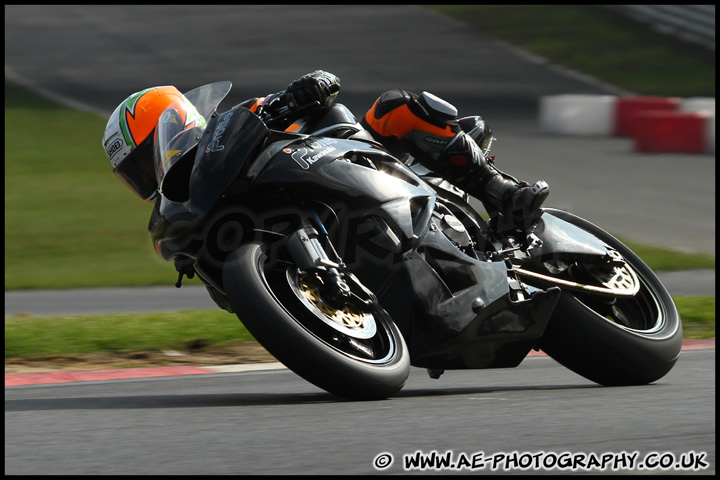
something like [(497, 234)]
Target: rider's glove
[(318, 86)]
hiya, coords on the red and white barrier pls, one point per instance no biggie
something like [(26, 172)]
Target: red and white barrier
[(656, 124)]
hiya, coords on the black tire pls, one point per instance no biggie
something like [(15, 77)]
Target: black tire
[(264, 296), (600, 349)]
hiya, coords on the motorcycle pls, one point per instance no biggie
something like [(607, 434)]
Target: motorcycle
[(350, 267)]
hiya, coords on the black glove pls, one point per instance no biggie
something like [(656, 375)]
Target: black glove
[(318, 86)]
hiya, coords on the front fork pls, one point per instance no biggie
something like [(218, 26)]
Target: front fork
[(305, 246)]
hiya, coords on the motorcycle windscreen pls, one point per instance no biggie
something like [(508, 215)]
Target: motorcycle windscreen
[(207, 97), (181, 124)]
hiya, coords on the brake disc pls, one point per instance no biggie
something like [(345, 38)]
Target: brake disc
[(348, 320)]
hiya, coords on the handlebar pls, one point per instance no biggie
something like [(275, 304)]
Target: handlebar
[(285, 111)]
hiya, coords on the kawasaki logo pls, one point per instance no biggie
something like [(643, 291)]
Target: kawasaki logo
[(305, 157)]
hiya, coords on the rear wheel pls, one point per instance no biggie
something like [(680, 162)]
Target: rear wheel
[(345, 350), (621, 339)]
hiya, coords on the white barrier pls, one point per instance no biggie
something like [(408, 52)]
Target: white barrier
[(577, 114), (705, 106), (698, 104)]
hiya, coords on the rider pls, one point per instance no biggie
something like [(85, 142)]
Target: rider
[(405, 123)]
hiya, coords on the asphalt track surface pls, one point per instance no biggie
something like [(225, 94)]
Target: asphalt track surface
[(274, 422)]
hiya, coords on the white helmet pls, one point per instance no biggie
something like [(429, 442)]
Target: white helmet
[(128, 141)]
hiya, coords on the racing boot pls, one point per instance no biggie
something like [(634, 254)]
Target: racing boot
[(515, 204)]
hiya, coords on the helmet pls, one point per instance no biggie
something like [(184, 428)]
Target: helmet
[(128, 141)]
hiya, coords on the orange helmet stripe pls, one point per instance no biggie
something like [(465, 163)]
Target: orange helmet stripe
[(142, 111)]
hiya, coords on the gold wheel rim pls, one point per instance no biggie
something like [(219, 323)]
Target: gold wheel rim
[(347, 320)]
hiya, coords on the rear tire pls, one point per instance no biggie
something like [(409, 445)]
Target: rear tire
[(355, 362), (634, 342)]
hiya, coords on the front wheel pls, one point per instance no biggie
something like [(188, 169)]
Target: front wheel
[(622, 340), (346, 351)]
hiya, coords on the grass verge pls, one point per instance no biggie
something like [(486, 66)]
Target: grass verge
[(664, 260), (698, 316), (29, 336)]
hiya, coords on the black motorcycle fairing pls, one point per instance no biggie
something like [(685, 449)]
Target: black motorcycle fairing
[(563, 244), (465, 313), (228, 142), (470, 313), (365, 179), (198, 169), (335, 122)]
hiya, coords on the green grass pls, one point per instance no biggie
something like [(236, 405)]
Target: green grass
[(662, 259), (600, 43), (30, 336), (698, 316), (69, 222)]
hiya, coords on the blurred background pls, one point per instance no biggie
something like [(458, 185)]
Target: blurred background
[(70, 223), (92, 54)]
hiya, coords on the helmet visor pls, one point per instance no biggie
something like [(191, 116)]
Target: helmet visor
[(137, 171)]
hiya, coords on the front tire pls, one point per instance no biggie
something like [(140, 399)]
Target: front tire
[(352, 355), (631, 341)]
